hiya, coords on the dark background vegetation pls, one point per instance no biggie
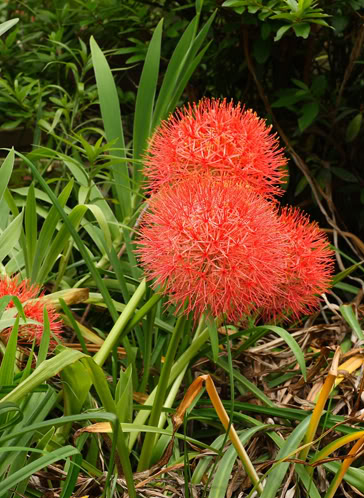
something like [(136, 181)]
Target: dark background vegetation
[(309, 83)]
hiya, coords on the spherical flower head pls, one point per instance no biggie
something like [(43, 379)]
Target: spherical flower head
[(29, 295), (220, 138), (213, 245), (309, 269)]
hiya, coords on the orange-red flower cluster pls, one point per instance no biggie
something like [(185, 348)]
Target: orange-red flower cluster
[(216, 137), (214, 238), (29, 295)]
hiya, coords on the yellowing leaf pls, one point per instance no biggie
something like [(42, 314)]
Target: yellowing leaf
[(349, 366)]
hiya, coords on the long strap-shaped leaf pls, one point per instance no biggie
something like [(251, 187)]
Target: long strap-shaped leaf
[(179, 66), (33, 467), (145, 98), (277, 475), (110, 111)]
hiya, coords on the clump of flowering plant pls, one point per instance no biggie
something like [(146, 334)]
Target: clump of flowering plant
[(213, 239), (29, 295), (220, 138), (215, 244)]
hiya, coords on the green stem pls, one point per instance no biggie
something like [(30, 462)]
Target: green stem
[(120, 324), (98, 378), (147, 353), (171, 397), (164, 382), (177, 368)]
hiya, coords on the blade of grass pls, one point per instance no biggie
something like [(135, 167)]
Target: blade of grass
[(286, 336), (116, 332), (179, 66)]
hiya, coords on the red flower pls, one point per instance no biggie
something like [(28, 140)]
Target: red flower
[(218, 137), (309, 269), (215, 244), (29, 295)]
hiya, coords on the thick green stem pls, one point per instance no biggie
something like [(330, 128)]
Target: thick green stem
[(160, 395), (120, 324), (177, 368)]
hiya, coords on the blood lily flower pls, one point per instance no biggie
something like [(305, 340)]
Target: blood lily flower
[(309, 266), (214, 245), (220, 138), (30, 297)]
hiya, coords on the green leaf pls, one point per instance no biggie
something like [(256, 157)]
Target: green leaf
[(30, 469), (180, 67), (344, 174), (145, 98), (225, 466), (31, 229), (45, 371), (110, 111), (281, 32), (234, 3), (47, 232), (5, 171), (291, 342), (349, 315), (8, 361), (98, 378), (72, 471), (245, 383), (10, 237), (352, 131), (5, 26), (279, 471), (302, 29), (354, 476), (293, 4), (46, 336), (60, 241), (124, 395), (345, 273), (310, 112), (173, 72), (214, 337)]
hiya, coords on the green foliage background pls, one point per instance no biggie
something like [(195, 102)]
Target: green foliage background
[(299, 64)]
